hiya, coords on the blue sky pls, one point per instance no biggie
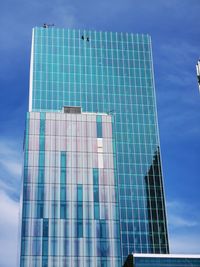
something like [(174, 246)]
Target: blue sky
[(175, 32)]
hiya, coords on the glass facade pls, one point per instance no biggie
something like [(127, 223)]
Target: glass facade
[(163, 261), (70, 197), (105, 72)]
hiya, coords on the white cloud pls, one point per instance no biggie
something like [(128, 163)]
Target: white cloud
[(10, 157), (12, 167), (9, 211), (182, 215), (184, 227), (178, 221), (183, 53), (185, 243), (10, 175)]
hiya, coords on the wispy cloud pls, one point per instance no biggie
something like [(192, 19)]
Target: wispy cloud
[(182, 215), (178, 99), (10, 167), (183, 53), (185, 243), (10, 157), (184, 227), (178, 221), (9, 211)]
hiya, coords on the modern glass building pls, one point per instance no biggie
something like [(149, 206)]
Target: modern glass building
[(70, 195), (113, 181), (162, 260)]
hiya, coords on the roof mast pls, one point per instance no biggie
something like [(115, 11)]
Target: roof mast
[(198, 73)]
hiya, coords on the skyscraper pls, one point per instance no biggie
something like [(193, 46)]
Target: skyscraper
[(92, 187)]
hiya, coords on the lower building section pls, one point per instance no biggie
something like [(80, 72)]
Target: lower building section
[(162, 260), (70, 211)]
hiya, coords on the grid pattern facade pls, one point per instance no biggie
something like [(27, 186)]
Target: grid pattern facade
[(110, 73), (70, 197)]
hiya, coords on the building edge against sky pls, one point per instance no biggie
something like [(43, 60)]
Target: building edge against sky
[(102, 73)]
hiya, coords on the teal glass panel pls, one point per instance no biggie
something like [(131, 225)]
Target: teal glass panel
[(79, 211), (45, 247), (40, 192), (103, 229), (63, 212), (45, 227), (96, 194), (95, 176), (96, 211), (41, 158), (79, 229), (63, 193), (44, 262), (41, 175), (79, 193), (40, 209), (99, 126), (63, 159), (63, 176)]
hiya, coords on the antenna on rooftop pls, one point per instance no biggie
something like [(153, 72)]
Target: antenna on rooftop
[(198, 73), (45, 25)]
